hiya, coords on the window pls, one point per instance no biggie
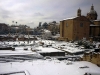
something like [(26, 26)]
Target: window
[(66, 24), (81, 24)]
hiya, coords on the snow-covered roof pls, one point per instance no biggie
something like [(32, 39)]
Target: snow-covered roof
[(97, 20), (56, 36), (47, 49), (94, 25), (69, 18)]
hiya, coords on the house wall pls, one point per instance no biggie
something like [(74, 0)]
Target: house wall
[(68, 29), (94, 31), (61, 26), (79, 32), (71, 29), (96, 22)]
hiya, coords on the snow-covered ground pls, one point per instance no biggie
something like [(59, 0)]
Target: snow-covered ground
[(50, 67), (60, 46), (69, 47), (41, 66), (18, 52)]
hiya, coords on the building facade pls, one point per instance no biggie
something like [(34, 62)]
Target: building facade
[(80, 27), (4, 28)]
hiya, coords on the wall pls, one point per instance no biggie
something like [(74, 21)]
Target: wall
[(94, 58), (70, 29), (79, 32)]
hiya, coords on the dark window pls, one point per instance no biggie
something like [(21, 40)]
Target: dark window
[(81, 24)]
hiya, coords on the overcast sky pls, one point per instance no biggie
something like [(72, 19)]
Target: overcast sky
[(31, 12)]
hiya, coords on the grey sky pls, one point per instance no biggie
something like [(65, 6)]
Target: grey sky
[(31, 12)]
